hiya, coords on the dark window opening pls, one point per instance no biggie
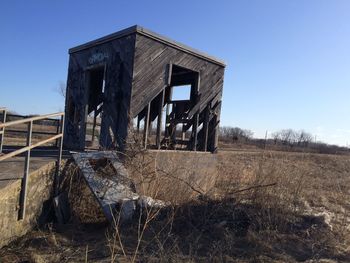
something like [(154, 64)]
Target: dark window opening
[(96, 89), (169, 121)]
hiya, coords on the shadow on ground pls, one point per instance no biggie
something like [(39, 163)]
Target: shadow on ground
[(201, 231)]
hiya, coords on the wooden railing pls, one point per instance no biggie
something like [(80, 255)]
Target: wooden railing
[(29, 146)]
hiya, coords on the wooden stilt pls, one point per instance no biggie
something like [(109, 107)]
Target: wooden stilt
[(138, 124), (206, 128), (160, 116), (195, 127), (146, 126), (94, 127)]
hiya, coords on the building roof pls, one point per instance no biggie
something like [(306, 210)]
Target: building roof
[(148, 33)]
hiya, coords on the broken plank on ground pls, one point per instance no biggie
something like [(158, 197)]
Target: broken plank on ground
[(109, 191)]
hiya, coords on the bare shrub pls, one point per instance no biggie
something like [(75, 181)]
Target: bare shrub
[(264, 207), (84, 207)]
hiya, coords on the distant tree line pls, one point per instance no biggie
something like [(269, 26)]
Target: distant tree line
[(235, 134), (285, 139), (292, 138)]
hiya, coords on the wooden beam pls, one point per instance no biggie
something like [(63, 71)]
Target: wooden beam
[(167, 112), (183, 137), (196, 115), (173, 133), (94, 127), (170, 69), (195, 133), (206, 128), (138, 123), (146, 126), (160, 116), (213, 135)]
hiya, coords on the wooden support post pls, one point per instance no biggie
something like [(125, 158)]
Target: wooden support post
[(183, 137), (146, 126), (195, 127), (138, 124), (173, 134), (214, 134), (160, 116), (167, 120), (59, 159), (23, 194), (167, 113), (196, 115), (93, 128), (83, 123), (2, 131), (206, 128)]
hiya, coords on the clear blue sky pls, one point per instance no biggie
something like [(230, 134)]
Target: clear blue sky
[(288, 61)]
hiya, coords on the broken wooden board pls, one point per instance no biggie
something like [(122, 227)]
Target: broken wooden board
[(112, 189)]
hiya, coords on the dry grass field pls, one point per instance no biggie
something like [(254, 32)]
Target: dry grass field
[(264, 207)]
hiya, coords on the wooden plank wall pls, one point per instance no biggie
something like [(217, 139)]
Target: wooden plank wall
[(117, 56), (150, 76), (136, 72)]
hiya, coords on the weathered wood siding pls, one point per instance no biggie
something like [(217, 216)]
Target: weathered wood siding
[(137, 64), (150, 72), (117, 56), (150, 76)]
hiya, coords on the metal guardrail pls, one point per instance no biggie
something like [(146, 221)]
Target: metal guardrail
[(27, 149)]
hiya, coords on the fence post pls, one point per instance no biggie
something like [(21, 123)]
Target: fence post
[(2, 131), (59, 158), (23, 196), (57, 131)]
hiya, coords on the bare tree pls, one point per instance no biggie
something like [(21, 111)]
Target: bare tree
[(304, 138), (292, 138), (287, 136), (235, 134), (61, 89)]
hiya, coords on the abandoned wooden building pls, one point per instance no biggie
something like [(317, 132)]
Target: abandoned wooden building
[(125, 84)]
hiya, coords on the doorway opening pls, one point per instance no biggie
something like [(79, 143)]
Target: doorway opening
[(96, 88)]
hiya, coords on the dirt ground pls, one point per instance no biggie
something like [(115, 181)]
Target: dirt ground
[(264, 207)]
